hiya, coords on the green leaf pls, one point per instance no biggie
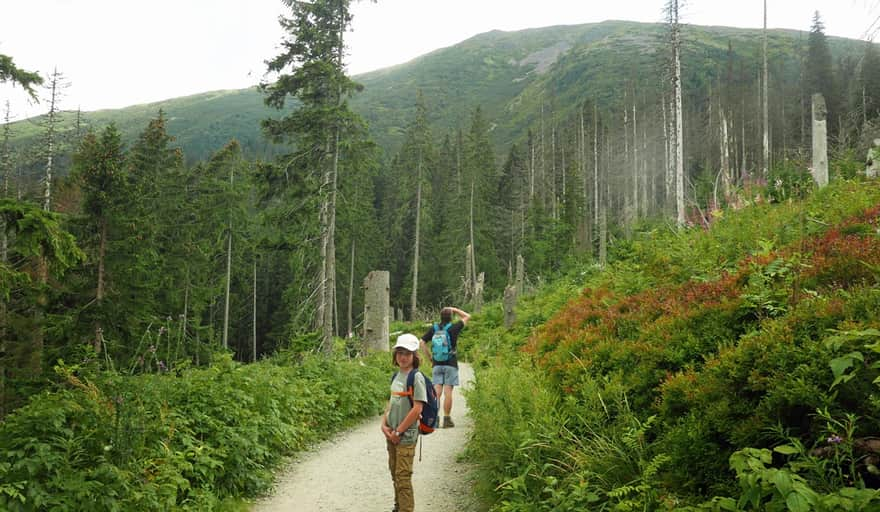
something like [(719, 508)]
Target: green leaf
[(840, 364), (787, 449), (782, 481), (727, 504), (797, 503)]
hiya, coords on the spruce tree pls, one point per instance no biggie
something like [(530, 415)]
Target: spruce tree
[(9, 72), (312, 70), (818, 74), (98, 166), (870, 82)]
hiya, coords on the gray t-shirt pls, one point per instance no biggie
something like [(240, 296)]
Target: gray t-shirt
[(400, 406)]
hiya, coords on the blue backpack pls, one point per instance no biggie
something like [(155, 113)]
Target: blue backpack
[(429, 419), (441, 344)]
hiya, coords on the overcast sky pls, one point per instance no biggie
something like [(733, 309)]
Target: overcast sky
[(116, 53)]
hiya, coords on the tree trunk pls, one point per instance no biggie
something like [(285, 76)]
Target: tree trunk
[(351, 287), (478, 292), (329, 299), (509, 306), (183, 318), (531, 171), (820, 141), (554, 196), (254, 317), (635, 163), (725, 158), (596, 166), (764, 102), (50, 142), (679, 127), (468, 282), (415, 284), (228, 269), (226, 295), (585, 192), (99, 292), (520, 274), (542, 180), (473, 254), (667, 162), (377, 310), (5, 153)]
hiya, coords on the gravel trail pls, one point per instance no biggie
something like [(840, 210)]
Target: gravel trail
[(349, 472)]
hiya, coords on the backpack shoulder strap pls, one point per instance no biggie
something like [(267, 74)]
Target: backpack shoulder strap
[(410, 386), (447, 327), (436, 327)]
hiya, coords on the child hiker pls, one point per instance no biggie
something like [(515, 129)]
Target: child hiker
[(401, 420)]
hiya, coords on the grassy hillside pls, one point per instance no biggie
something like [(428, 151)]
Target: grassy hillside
[(507, 73), (729, 369)]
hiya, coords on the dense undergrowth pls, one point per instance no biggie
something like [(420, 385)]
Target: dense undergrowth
[(198, 439), (733, 368)]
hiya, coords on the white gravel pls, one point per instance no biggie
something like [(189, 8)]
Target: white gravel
[(349, 472)]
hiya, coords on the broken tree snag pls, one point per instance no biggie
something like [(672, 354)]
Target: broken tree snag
[(376, 310), (478, 292), (520, 274), (820, 141), (509, 306)]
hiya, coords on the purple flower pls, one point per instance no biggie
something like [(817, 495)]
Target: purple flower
[(161, 366), (835, 439)]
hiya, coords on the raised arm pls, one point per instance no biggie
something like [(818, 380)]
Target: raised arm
[(462, 315)]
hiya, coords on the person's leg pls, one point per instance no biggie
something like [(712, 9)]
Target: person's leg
[(438, 376), (447, 402), (392, 466), (450, 382), (403, 477)]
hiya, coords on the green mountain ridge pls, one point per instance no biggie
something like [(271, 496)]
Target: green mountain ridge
[(509, 74)]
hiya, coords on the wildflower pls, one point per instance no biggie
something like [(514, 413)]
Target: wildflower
[(152, 349), (161, 330), (161, 366), (835, 439)]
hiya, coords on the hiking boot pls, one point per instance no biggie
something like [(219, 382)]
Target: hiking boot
[(447, 422)]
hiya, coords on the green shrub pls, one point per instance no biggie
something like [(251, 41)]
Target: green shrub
[(181, 442)]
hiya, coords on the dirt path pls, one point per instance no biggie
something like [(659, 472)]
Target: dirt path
[(350, 471)]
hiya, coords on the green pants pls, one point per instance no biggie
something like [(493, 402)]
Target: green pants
[(400, 463)]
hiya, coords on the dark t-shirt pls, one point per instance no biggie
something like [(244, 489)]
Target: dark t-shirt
[(453, 339)]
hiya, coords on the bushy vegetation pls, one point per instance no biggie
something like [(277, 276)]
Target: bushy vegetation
[(195, 440), (726, 369)]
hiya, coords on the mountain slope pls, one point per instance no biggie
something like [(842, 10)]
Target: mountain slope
[(508, 74)]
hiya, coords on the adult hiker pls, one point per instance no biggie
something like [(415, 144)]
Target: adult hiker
[(440, 344), (401, 419)]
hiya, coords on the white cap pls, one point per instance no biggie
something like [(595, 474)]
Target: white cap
[(407, 341)]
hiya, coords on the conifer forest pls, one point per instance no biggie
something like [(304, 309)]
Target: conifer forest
[(668, 236)]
